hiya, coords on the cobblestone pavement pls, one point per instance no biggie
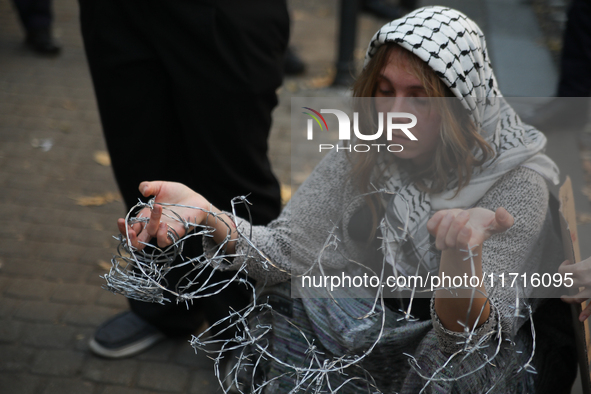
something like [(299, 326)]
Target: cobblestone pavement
[(59, 204)]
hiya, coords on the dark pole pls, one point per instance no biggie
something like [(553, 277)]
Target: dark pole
[(347, 33)]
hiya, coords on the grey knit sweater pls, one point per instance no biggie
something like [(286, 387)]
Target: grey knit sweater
[(292, 242)]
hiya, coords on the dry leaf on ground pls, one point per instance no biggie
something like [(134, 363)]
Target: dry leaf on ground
[(285, 194), (96, 200), (102, 157), (104, 265)]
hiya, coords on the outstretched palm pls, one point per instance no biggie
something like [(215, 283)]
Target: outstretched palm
[(159, 224), (458, 228)]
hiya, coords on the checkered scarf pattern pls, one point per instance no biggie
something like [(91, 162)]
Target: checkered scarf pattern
[(455, 48)]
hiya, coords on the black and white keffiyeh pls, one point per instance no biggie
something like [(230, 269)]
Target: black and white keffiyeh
[(454, 47)]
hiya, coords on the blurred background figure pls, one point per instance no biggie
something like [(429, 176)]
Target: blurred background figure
[(575, 74), (386, 10), (36, 17)]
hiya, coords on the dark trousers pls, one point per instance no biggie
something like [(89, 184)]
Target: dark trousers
[(185, 90), (575, 60), (34, 14)]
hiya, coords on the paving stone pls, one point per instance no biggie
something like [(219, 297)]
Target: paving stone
[(121, 372), (57, 362), (63, 253), (87, 315), (83, 336), (3, 281), (166, 377), (47, 234), (18, 267), (7, 306), (123, 390), (40, 312), (89, 237), (14, 231), (204, 382), (68, 386), (57, 336), (185, 355), (10, 330), (161, 352), (15, 358), (19, 384), (108, 299), (64, 272), (74, 293), (31, 289)]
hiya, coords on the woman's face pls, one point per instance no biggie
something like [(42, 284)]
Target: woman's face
[(400, 91)]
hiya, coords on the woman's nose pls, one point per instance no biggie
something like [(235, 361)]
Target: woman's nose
[(395, 104)]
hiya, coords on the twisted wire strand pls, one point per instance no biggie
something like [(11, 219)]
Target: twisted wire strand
[(141, 275)]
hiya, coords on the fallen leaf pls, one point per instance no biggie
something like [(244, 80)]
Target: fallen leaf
[(285, 194), (319, 82), (101, 199), (104, 265), (102, 157)]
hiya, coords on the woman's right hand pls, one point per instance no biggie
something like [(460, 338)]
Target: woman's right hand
[(158, 225)]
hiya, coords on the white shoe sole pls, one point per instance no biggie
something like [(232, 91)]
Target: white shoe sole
[(127, 351)]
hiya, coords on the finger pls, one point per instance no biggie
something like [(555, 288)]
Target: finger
[(565, 267), (582, 296), (151, 188), (442, 231), (162, 236), (121, 226), (573, 300), (129, 232), (585, 313), (503, 221), (433, 223), (155, 216), (463, 240), (457, 225)]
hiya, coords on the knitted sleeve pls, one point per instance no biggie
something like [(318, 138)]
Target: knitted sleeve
[(292, 241), (524, 194)]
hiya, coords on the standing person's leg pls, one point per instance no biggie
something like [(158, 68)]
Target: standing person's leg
[(225, 64), (36, 18), (134, 99), (575, 75), (139, 108), (575, 59)]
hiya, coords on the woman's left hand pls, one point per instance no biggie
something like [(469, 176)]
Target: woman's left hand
[(581, 282), (459, 228)]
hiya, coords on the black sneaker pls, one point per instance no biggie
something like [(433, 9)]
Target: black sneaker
[(124, 335)]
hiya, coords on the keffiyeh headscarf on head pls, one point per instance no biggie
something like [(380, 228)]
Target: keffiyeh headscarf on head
[(454, 47)]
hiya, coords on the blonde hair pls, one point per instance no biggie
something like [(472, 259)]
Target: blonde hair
[(458, 137)]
